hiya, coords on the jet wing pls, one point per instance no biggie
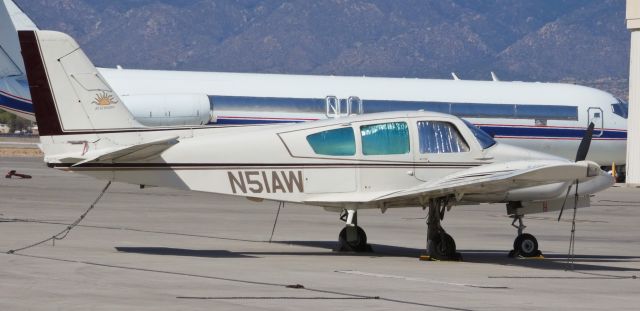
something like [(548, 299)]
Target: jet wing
[(132, 153)]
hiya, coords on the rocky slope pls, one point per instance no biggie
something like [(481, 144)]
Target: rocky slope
[(545, 40)]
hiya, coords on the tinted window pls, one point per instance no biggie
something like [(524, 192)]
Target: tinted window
[(338, 142), (385, 138), (440, 137), (268, 104), (551, 112), (483, 110), (371, 106), (483, 138)]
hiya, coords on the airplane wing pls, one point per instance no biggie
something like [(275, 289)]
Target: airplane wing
[(486, 179), (500, 177), (131, 153)]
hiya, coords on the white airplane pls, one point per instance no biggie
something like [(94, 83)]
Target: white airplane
[(548, 117), (372, 161)]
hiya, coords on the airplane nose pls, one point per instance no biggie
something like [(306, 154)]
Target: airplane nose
[(601, 182)]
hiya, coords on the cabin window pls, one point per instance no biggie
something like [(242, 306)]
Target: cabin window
[(483, 110), (338, 142), (385, 138), (485, 140), (550, 112), (440, 137), (371, 106)]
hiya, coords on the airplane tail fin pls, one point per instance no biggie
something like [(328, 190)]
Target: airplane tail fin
[(11, 20), (14, 91), (70, 96)]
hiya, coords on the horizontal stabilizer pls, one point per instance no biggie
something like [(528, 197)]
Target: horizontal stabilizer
[(131, 153)]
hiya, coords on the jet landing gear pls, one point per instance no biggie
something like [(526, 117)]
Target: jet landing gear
[(352, 238), (440, 245), (525, 245)]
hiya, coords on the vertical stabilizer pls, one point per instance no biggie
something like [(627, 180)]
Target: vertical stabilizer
[(12, 19), (69, 94)]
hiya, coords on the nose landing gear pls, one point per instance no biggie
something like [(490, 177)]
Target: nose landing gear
[(525, 245)]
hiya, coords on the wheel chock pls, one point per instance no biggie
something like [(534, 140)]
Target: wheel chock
[(512, 254), (458, 257)]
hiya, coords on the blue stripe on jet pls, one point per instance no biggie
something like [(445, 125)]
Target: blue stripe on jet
[(16, 104)]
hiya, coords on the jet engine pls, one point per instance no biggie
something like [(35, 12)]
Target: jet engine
[(169, 109)]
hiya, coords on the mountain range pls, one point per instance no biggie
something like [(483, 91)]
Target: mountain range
[(577, 41)]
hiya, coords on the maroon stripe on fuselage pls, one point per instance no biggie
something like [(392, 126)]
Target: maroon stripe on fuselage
[(41, 95)]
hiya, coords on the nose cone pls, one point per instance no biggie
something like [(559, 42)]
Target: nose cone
[(504, 152)]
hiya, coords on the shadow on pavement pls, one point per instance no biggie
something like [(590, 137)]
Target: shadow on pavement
[(550, 262)]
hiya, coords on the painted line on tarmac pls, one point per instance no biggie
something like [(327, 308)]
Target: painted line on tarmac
[(412, 279)]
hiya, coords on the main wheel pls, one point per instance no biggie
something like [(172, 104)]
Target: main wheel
[(443, 246), (360, 244), (526, 245)]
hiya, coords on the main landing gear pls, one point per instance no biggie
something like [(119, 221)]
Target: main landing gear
[(440, 245), (525, 245), (352, 238)]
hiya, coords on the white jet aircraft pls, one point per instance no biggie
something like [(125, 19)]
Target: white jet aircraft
[(548, 117), (374, 161)]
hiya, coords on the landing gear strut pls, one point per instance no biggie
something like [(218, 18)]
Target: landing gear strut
[(440, 245), (352, 238), (525, 244)]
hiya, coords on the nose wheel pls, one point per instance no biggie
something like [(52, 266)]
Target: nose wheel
[(525, 245)]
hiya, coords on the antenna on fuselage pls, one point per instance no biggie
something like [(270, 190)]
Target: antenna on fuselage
[(494, 77), (455, 77)]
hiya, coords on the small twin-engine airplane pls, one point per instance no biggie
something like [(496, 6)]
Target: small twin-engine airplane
[(373, 161)]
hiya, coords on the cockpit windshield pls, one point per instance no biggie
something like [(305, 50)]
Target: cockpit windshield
[(483, 138), (621, 108)]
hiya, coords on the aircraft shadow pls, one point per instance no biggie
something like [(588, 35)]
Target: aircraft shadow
[(582, 262), (181, 252)]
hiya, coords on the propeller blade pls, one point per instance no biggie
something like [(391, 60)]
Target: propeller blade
[(583, 149)]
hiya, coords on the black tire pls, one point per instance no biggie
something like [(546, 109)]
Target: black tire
[(526, 245), (359, 245), (443, 246)]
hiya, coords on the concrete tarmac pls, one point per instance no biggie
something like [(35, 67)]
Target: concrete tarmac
[(162, 249)]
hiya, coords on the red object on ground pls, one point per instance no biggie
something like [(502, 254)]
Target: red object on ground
[(14, 173)]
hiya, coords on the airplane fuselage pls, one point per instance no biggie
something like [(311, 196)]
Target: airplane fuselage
[(548, 117)]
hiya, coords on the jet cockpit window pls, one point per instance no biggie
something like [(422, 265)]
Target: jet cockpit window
[(483, 138), (385, 138), (338, 142), (621, 108), (440, 137)]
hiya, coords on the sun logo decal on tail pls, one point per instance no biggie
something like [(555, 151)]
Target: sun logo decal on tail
[(104, 100)]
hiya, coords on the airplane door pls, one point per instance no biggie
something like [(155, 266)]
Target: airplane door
[(340, 107), (596, 116), (332, 105), (355, 105), (440, 150)]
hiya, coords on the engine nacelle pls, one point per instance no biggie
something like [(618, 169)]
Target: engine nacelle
[(169, 109)]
